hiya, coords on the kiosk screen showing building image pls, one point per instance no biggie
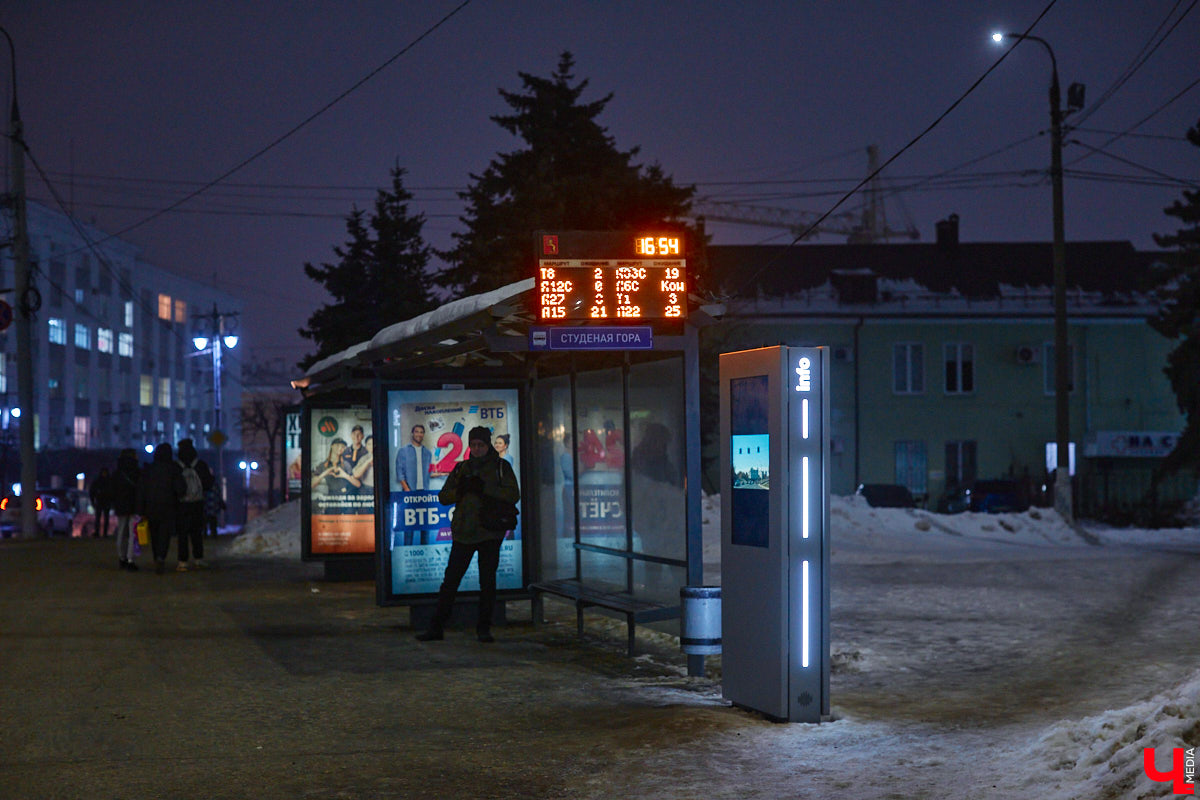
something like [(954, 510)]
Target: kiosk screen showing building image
[(750, 460)]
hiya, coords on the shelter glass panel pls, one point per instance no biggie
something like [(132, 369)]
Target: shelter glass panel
[(555, 436), (657, 497), (600, 454)]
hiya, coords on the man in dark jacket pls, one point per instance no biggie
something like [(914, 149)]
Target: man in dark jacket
[(100, 493), (199, 479), (124, 499), (483, 473), (159, 491)]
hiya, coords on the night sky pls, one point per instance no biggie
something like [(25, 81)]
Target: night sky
[(129, 106)]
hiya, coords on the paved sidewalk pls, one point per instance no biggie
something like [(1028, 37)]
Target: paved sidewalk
[(258, 679)]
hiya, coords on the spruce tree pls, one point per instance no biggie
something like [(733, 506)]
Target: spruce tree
[(380, 277), (1179, 319), (568, 176)]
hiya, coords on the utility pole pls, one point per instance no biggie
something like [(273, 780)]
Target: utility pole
[(25, 308)]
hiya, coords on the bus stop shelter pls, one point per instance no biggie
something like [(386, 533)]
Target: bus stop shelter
[(603, 431)]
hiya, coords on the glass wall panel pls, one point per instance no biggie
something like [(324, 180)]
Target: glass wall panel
[(555, 490), (600, 453), (657, 497)]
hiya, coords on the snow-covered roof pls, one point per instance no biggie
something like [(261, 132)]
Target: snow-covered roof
[(442, 326)]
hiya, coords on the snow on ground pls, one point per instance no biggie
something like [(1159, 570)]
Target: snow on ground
[(1061, 746)]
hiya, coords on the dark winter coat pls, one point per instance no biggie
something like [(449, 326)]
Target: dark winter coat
[(188, 457), (499, 481), (125, 484), (161, 486)]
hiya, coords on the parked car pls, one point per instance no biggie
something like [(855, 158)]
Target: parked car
[(55, 513), (998, 496), (887, 495)]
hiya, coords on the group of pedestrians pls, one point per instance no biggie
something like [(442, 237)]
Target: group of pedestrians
[(174, 494)]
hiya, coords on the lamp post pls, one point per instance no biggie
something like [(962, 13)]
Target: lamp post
[(213, 330), (1062, 362), (247, 467)]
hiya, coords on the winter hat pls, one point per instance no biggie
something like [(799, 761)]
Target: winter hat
[(479, 434)]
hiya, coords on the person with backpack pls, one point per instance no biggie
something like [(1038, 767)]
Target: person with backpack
[(479, 488), (124, 500), (198, 479)]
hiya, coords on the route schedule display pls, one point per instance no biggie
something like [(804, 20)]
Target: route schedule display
[(586, 275)]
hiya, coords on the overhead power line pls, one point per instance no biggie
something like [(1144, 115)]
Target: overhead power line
[(799, 237)]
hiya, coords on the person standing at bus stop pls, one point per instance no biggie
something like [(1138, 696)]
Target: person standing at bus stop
[(482, 473)]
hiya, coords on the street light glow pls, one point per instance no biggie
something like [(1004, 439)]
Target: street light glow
[(200, 342), (231, 341), (16, 412), (997, 37)]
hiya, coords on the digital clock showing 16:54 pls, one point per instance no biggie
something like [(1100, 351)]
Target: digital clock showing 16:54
[(602, 275)]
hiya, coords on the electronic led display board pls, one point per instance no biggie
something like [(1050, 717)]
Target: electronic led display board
[(611, 276)]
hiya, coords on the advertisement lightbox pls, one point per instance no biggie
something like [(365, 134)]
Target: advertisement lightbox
[(426, 436), (340, 480)]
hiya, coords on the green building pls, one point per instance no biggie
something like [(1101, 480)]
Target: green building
[(942, 362)]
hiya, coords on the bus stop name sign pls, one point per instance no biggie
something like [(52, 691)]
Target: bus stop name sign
[(639, 337)]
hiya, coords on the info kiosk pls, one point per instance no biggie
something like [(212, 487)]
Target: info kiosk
[(774, 531)]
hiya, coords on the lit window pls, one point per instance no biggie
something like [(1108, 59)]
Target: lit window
[(908, 368), (960, 369), (164, 307), (125, 344), (180, 394), (83, 337), (3, 373), (82, 431), (128, 313), (104, 340), (180, 311), (58, 331), (164, 392), (147, 390), (79, 297)]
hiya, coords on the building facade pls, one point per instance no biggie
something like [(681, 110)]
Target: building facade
[(943, 361), (114, 361)]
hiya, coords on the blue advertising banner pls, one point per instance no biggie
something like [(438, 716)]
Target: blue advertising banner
[(427, 430)]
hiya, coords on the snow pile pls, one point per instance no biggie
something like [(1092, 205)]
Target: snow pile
[(276, 533), (1101, 756)]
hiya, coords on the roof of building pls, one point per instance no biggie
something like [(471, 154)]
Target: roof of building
[(973, 270)]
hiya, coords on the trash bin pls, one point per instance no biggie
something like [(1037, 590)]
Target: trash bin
[(701, 612)]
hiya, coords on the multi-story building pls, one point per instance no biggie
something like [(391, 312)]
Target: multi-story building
[(114, 360), (943, 359)]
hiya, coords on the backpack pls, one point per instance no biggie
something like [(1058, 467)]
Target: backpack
[(195, 488), (496, 514)]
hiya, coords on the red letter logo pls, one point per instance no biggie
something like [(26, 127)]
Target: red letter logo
[(549, 245), (1176, 775)]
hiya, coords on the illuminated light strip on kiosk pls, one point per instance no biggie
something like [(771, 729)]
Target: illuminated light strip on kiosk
[(774, 531)]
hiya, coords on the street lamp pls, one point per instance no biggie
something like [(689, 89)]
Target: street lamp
[(216, 329), (247, 467), (1062, 363)]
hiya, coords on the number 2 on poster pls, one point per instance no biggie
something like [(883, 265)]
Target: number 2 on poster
[(454, 442)]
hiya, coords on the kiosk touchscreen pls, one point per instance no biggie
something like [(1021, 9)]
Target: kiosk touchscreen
[(774, 526)]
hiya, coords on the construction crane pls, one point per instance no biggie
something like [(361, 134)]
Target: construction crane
[(869, 226)]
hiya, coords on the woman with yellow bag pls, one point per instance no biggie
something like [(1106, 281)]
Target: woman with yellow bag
[(124, 493), (159, 490)]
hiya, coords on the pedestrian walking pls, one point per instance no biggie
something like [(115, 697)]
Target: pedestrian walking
[(159, 490), (124, 500), (474, 530), (198, 479), (214, 504), (100, 493)]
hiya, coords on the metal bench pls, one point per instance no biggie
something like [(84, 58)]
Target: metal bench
[(635, 610)]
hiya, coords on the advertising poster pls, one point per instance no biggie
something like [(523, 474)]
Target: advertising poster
[(343, 482), (427, 436), (292, 456)]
